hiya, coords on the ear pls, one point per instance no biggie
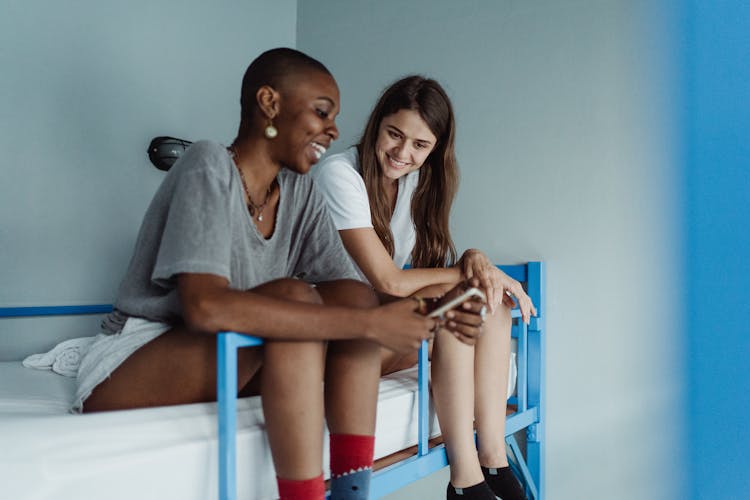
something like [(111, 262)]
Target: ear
[(268, 101)]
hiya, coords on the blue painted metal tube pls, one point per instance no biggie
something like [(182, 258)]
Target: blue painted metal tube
[(521, 420), (407, 471), (28, 311), (226, 380), (535, 435), (522, 363), (535, 285), (517, 272), (226, 395), (527, 477), (424, 401)]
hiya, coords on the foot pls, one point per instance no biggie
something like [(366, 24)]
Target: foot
[(503, 483), (477, 492)]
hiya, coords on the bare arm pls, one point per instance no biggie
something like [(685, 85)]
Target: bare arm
[(377, 265), (209, 305)]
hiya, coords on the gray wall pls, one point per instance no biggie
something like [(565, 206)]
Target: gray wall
[(566, 148), (84, 88)]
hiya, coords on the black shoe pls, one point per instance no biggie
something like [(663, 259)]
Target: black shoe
[(479, 491), (504, 483)]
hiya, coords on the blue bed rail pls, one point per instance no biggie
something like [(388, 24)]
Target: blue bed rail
[(528, 415), (20, 312), (529, 401)]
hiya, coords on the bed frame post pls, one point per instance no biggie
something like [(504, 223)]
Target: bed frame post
[(227, 344), (423, 439), (226, 392), (536, 376)]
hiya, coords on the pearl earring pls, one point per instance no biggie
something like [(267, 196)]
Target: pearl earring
[(270, 131)]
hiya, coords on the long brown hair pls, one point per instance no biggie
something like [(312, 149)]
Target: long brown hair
[(438, 177)]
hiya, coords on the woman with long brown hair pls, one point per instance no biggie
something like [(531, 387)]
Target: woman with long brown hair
[(390, 198)]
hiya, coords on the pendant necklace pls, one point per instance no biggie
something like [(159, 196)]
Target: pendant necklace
[(252, 207)]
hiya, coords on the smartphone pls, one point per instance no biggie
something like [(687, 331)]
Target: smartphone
[(450, 301)]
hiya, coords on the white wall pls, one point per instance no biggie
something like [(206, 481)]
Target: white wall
[(566, 148), (84, 88)]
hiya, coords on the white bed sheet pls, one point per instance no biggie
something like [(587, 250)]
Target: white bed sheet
[(166, 452)]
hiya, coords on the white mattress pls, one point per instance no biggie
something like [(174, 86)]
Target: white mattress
[(166, 452)]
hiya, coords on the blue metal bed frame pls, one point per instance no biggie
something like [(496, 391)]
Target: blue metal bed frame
[(529, 402)]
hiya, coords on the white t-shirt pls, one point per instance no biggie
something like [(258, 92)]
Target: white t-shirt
[(339, 178)]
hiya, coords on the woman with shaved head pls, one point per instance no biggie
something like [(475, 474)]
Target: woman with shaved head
[(237, 239)]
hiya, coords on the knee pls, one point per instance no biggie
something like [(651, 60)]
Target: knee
[(359, 294), (299, 291), (290, 289), (502, 315), (351, 293)]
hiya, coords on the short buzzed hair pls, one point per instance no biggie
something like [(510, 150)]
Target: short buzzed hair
[(272, 68)]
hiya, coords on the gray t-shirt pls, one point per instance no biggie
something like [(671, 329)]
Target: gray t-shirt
[(198, 223)]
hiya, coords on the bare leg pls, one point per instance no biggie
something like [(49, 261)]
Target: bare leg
[(292, 395), (177, 367), (180, 367), (352, 366), (491, 380), (453, 393), (459, 372)]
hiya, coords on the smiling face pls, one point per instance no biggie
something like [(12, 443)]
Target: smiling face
[(306, 120), (404, 143)]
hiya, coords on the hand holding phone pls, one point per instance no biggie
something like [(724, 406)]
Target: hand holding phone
[(454, 298)]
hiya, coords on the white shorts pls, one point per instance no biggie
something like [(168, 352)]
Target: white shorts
[(109, 351)]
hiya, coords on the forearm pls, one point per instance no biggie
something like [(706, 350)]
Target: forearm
[(274, 318), (405, 282), (288, 309)]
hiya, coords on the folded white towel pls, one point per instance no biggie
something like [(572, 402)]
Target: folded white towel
[(64, 358)]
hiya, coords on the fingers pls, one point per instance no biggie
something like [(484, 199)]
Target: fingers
[(513, 289), (401, 329), (524, 302), (471, 341), (467, 338), (468, 272), (472, 307), (466, 325), (489, 290), (498, 286), (492, 286)]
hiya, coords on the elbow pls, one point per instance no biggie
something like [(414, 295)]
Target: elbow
[(200, 314), (391, 287)]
